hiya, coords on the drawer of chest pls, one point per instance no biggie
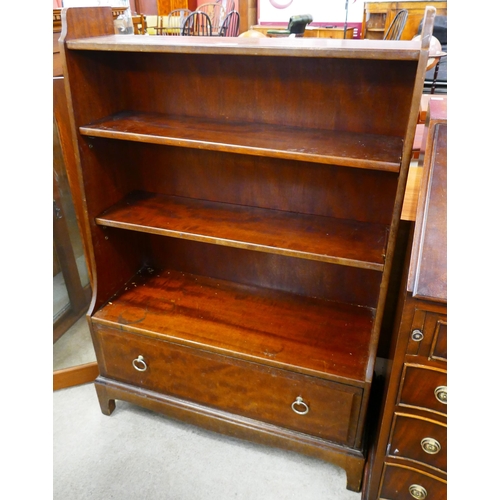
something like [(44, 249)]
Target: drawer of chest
[(422, 440), (405, 483), (423, 388), (428, 335), (298, 402)]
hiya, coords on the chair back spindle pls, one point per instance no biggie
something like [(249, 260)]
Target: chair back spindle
[(395, 29), (197, 24), (231, 24)]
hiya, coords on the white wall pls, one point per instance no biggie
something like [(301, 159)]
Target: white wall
[(96, 3), (323, 11)]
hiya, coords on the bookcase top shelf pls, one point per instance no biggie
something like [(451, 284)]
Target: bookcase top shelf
[(349, 149), (298, 47)]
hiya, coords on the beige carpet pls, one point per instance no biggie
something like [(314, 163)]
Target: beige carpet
[(137, 454)]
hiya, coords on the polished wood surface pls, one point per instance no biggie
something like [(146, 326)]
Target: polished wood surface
[(428, 276), (379, 152), (248, 14), (304, 47), (409, 210), (206, 312), (240, 229), (248, 389), (75, 375), (377, 17), (66, 187), (164, 7), (296, 235), (399, 479), (417, 388), (406, 441), (415, 404)]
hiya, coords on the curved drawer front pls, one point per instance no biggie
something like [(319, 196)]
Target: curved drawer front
[(423, 388), (422, 440), (298, 402), (403, 483)]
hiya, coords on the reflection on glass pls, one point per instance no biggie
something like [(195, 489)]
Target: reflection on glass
[(71, 291)]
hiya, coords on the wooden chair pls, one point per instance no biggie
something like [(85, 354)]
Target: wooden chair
[(231, 24), (215, 12), (140, 25), (173, 22), (158, 26), (397, 26), (197, 24)]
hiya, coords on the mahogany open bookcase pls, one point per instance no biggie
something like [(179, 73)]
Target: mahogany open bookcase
[(242, 198)]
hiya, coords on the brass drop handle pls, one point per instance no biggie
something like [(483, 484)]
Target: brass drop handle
[(139, 364), (430, 445), (417, 491), (299, 406), (441, 394), (417, 335)]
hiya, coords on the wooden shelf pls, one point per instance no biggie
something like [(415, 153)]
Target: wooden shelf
[(367, 151), (324, 239), (310, 336), (290, 47)]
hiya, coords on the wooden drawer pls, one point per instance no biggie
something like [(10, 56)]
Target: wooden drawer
[(423, 388), (398, 480), (239, 387), (411, 436), (428, 335)]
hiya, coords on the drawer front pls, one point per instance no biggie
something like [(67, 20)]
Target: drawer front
[(326, 409), (423, 388), (439, 347), (403, 483), (428, 336), (422, 440)]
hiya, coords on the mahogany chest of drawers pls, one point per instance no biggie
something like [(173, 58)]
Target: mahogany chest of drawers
[(409, 458)]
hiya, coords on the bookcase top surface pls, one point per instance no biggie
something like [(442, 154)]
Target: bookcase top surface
[(291, 47)]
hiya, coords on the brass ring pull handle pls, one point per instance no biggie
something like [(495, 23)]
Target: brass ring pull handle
[(299, 407), (441, 394), (139, 364), (417, 335), (430, 445), (417, 491)]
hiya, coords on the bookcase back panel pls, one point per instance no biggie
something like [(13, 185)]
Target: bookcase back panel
[(340, 192), (119, 254), (303, 92), (270, 183), (303, 277)]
